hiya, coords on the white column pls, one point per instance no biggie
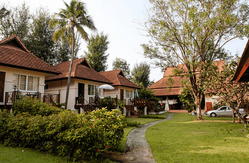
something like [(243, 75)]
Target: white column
[(167, 104), (145, 110), (82, 110), (124, 111)]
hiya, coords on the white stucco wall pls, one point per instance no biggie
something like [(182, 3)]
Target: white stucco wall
[(54, 86), (213, 99), (9, 85)]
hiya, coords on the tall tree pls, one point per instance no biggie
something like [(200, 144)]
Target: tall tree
[(96, 55), (233, 94), (67, 22), (16, 22), (40, 37), (121, 64), (141, 74), (193, 33)]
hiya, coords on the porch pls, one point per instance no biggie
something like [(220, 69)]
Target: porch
[(11, 97), (131, 107)]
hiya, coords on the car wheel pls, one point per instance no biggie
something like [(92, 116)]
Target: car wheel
[(213, 115)]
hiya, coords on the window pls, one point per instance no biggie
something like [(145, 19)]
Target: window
[(26, 83), (128, 94), (90, 89), (93, 89)]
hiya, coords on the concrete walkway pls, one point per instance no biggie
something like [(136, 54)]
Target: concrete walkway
[(138, 148)]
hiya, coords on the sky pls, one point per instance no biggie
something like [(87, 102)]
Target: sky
[(122, 21)]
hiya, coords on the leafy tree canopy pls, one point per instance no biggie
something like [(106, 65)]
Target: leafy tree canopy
[(96, 55), (121, 64), (193, 33), (141, 74)]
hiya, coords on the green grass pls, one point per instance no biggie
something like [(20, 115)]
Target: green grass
[(184, 140), (25, 155)]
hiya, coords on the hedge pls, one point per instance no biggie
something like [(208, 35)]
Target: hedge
[(66, 133), (33, 107)]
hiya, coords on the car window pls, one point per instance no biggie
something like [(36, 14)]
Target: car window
[(223, 109), (228, 108)]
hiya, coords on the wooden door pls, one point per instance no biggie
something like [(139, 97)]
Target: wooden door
[(2, 81), (121, 94)]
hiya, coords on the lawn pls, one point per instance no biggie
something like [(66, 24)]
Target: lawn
[(184, 139), (25, 155)]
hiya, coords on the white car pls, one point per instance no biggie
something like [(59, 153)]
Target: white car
[(223, 111)]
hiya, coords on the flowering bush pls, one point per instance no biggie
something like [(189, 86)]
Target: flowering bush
[(33, 107), (72, 135)]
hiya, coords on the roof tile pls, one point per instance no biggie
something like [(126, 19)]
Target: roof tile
[(14, 54)]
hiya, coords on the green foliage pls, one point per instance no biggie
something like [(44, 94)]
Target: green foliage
[(71, 135), (15, 22), (151, 116), (193, 33), (231, 93), (96, 55), (141, 74), (67, 24), (33, 107), (121, 64), (4, 118), (147, 94), (107, 102), (186, 97), (131, 123)]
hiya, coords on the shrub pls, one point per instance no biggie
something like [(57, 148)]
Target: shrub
[(131, 124), (107, 102), (67, 133), (33, 107), (4, 118), (151, 116)]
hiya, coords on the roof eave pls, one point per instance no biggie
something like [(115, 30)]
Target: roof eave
[(26, 68)]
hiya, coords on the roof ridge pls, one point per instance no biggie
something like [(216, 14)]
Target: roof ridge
[(18, 41)]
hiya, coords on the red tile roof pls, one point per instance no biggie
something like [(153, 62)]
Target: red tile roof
[(166, 91), (14, 54), (160, 88), (80, 69), (118, 79)]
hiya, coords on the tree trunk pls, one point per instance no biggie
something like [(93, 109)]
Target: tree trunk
[(233, 117), (70, 69), (198, 108)]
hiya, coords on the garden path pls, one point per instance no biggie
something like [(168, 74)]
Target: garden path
[(138, 148)]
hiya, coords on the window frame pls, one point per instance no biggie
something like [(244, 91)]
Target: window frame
[(26, 82), (95, 89), (129, 93)]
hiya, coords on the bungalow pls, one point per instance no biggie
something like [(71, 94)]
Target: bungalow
[(168, 92), (20, 70), (123, 88), (85, 82)]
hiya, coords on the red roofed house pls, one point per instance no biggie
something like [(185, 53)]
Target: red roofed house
[(169, 92), (20, 69), (123, 88), (85, 82)]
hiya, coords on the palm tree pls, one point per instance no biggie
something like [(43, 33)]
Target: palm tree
[(67, 23)]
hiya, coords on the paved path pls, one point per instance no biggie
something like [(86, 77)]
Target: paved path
[(138, 148)]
